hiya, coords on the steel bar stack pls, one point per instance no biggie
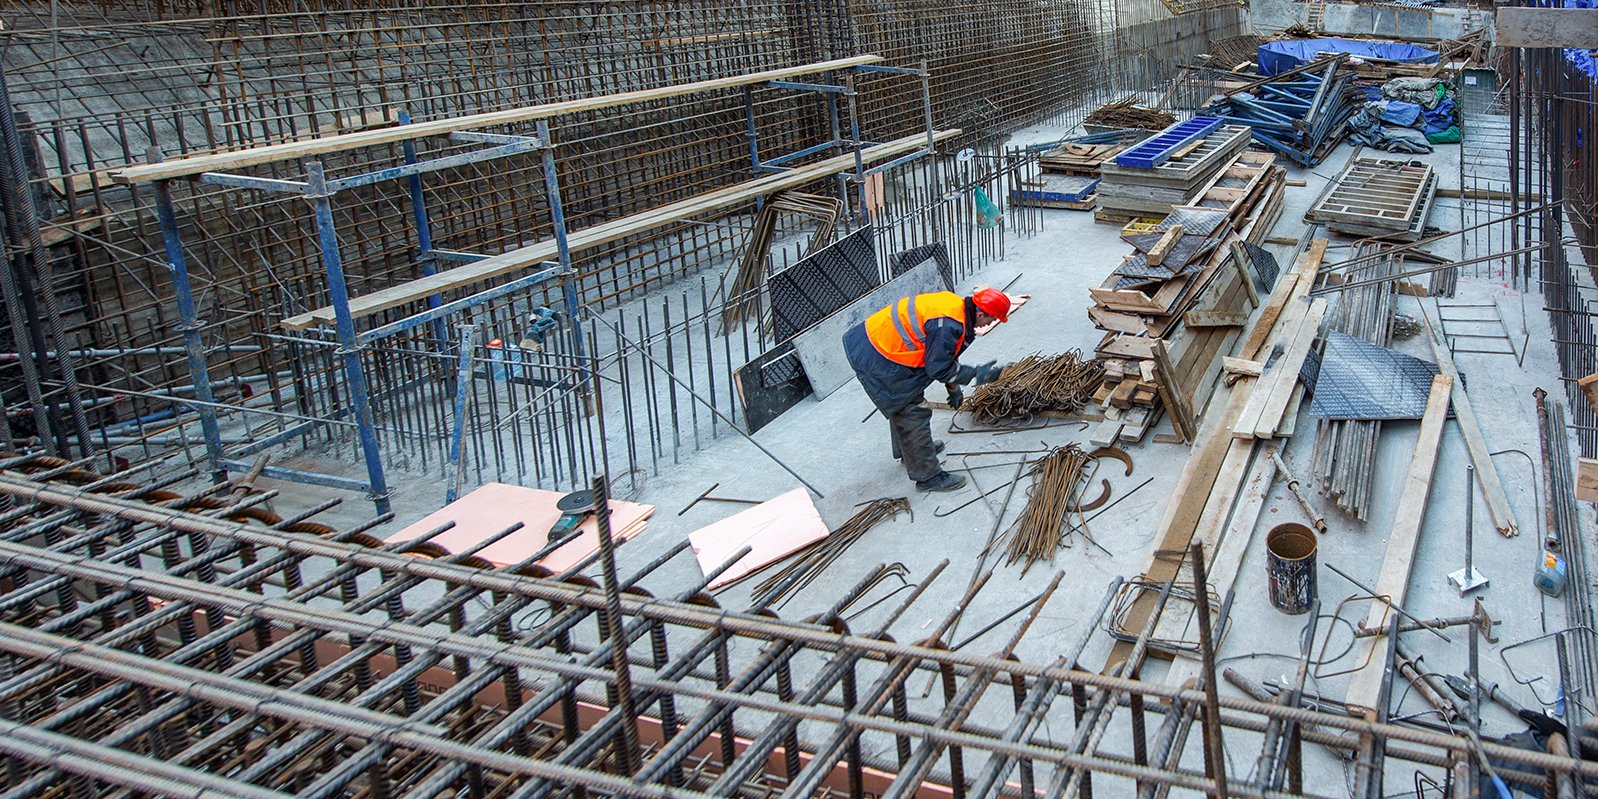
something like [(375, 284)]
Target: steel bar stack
[(1301, 114), (1345, 450), (262, 657)]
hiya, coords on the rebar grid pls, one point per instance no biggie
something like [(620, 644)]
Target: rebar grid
[(221, 653)]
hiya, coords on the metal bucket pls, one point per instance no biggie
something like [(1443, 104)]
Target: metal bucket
[(1290, 567)]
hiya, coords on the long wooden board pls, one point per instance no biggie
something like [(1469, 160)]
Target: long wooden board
[(1296, 283), (1364, 688), (1492, 488), (604, 233), (194, 165)]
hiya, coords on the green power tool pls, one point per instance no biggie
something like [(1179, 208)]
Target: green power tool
[(573, 508)]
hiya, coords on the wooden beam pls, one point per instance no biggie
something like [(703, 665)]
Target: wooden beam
[(1171, 394), (1273, 392), (1215, 319), (1286, 286), (1162, 248), (1589, 389), (1364, 688), (1188, 498), (1586, 480), (1547, 27), (604, 233), (1492, 488), (286, 151), (1242, 366)]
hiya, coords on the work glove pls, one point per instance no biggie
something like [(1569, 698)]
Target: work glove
[(956, 396), (987, 373)]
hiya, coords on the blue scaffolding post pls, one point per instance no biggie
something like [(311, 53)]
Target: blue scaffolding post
[(349, 348), (570, 286), (424, 228), (189, 324)]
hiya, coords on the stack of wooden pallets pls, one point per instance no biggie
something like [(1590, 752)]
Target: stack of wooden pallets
[(1174, 307), (1128, 192)]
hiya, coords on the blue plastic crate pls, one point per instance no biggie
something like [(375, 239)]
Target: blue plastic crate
[(1158, 148)]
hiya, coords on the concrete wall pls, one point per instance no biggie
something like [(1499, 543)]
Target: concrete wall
[(1346, 19)]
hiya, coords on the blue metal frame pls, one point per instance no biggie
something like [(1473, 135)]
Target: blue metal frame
[(349, 347), (463, 378), (563, 249), (810, 87), (424, 227), (189, 324)]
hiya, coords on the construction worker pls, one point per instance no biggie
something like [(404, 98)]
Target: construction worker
[(900, 350)]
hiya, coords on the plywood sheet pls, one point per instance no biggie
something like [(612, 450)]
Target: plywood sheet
[(820, 348), (772, 530), (488, 510)]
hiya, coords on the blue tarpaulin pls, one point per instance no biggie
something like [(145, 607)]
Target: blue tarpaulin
[(1281, 56)]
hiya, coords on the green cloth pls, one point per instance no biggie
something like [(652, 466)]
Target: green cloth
[(1449, 136)]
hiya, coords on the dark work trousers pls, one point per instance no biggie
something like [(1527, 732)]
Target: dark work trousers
[(911, 429)]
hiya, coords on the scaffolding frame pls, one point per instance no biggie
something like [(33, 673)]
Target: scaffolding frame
[(319, 190)]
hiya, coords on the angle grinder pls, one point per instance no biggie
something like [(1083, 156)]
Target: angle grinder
[(573, 508)]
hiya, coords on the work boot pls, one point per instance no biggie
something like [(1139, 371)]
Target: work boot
[(942, 481), (937, 447)]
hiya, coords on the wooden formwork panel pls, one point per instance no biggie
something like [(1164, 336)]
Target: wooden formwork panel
[(1378, 193)]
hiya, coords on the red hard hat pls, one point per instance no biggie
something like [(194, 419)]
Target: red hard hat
[(994, 303)]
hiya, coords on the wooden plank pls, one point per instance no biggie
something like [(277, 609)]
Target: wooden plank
[(1288, 326), (1492, 488), (214, 162), (1547, 27), (1586, 480), (1162, 248), (1296, 282), (1215, 319), (604, 233), (1180, 520), (1297, 350), (1589, 389), (1226, 558), (1393, 582), (1242, 366), (1171, 394)]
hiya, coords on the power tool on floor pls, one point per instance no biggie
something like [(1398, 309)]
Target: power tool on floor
[(573, 507)]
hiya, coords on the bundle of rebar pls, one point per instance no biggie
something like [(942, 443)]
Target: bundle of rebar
[(1057, 479), (1345, 449), (1126, 113), (1036, 384), (811, 561)]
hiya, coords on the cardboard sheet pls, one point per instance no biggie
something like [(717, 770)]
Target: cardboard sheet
[(773, 530), (496, 506)]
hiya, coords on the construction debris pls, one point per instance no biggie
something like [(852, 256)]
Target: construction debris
[(1052, 500), (1036, 384), (1195, 301), (810, 562), (1301, 113), (1126, 113)]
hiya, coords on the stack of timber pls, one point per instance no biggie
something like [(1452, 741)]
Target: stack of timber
[(1079, 160), (1128, 192), (1301, 113), (1378, 198), (1175, 307), (1220, 496)]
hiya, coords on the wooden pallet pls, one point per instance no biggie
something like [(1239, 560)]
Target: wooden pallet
[(1375, 194)]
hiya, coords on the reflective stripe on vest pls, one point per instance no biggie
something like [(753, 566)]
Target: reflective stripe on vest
[(899, 331)]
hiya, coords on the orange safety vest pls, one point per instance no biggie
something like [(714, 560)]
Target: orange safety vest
[(899, 331)]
